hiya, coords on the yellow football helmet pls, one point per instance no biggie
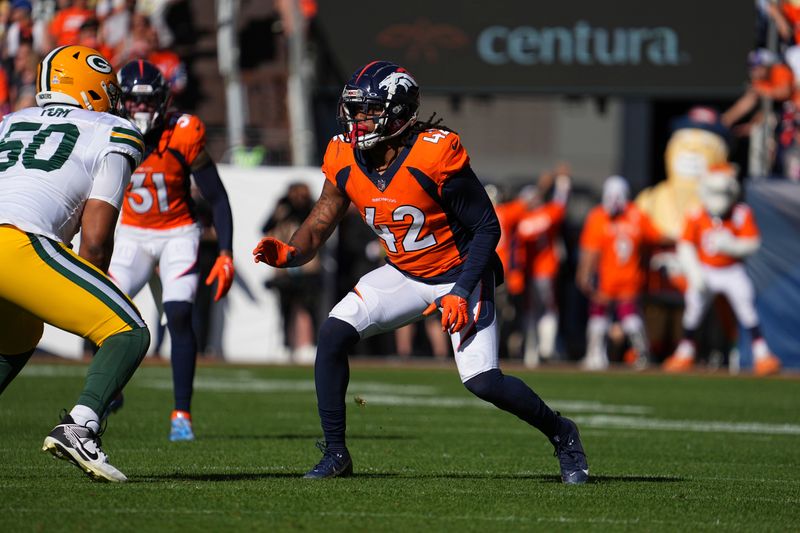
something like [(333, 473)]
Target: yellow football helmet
[(77, 75)]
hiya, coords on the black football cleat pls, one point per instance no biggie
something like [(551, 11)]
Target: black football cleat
[(332, 464), (81, 446), (569, 450)]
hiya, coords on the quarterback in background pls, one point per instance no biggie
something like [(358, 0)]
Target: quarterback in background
[(610, 271), (159, 226), (413, 185), (715, 241), (64, 168)]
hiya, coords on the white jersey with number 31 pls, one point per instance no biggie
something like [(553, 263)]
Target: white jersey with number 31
[(49, 160)]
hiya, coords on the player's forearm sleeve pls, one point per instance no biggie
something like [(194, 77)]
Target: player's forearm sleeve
[(690, 263), (741, 247), (210, 185), (465, 196), (111, 179)]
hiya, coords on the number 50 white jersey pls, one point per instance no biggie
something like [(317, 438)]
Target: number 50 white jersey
[(51, 162)]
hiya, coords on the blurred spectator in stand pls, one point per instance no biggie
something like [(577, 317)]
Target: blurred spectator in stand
[(610, 272), (18, 31), (771, 79), (298, 288), (66, 23), (539, 233), (156, 11), (785, 15), (715, 241), (789, 139), (510, 296), (143, 43), (137, 42), (5, 94), (88, 36), (115, 16), (171, 66), (23, 80)]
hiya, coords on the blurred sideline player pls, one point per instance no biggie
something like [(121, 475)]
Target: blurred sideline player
[(538, 233), (611, 250), (159, 226), (715, 241), (66, 165), (413, 184), (510, 296)]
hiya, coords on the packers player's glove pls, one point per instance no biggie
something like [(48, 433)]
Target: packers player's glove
[(222, 272), (274, 252), (454, 312)]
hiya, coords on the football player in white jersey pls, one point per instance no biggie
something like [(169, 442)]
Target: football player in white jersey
[(64, 167)]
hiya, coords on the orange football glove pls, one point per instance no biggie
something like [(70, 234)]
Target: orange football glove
[(274, 252), (222, 272), (454, 312)]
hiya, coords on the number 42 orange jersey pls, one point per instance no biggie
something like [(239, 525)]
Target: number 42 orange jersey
[(403, 205), (158, 196)]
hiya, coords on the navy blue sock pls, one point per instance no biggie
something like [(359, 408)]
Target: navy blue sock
[(331, 375), (513, 395), (184, 352), (755, 332)]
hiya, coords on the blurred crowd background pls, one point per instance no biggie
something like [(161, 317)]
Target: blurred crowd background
[(265, 76)]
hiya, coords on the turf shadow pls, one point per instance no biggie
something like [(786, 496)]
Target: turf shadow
[(255, 476), (299, 436)]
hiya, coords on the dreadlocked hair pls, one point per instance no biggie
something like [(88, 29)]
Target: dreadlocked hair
[(432, 123)]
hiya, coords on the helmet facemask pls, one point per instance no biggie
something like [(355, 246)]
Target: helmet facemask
[(150, 116), (356, 112), (718, 193)]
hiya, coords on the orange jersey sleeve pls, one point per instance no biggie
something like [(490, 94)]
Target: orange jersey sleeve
[(593, 228), (188, 136)]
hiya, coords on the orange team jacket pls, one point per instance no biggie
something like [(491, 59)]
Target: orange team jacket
[(537, 232), (509, 215), (158, 196), (402, 205), (619, 242), (699, 226)]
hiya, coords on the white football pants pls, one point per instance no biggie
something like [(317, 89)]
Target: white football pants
[(385, 299), (137, 251)]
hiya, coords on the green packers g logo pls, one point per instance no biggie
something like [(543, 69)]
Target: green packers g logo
[(99, 64)]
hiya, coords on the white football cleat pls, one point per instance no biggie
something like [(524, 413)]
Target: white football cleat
[(81, 446)]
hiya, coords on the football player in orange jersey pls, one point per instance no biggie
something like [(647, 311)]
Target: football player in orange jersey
[(714, 242), (159, 226), (413, 184), (611, 250), (538, 232), (510, 296)]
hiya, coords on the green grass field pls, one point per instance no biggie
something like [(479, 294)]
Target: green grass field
[(689, 453)]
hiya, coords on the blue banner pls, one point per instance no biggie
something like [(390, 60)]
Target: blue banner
[(775, 269)]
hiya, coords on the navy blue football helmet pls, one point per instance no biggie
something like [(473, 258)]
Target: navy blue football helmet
[(381, 92), (142, 81)]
